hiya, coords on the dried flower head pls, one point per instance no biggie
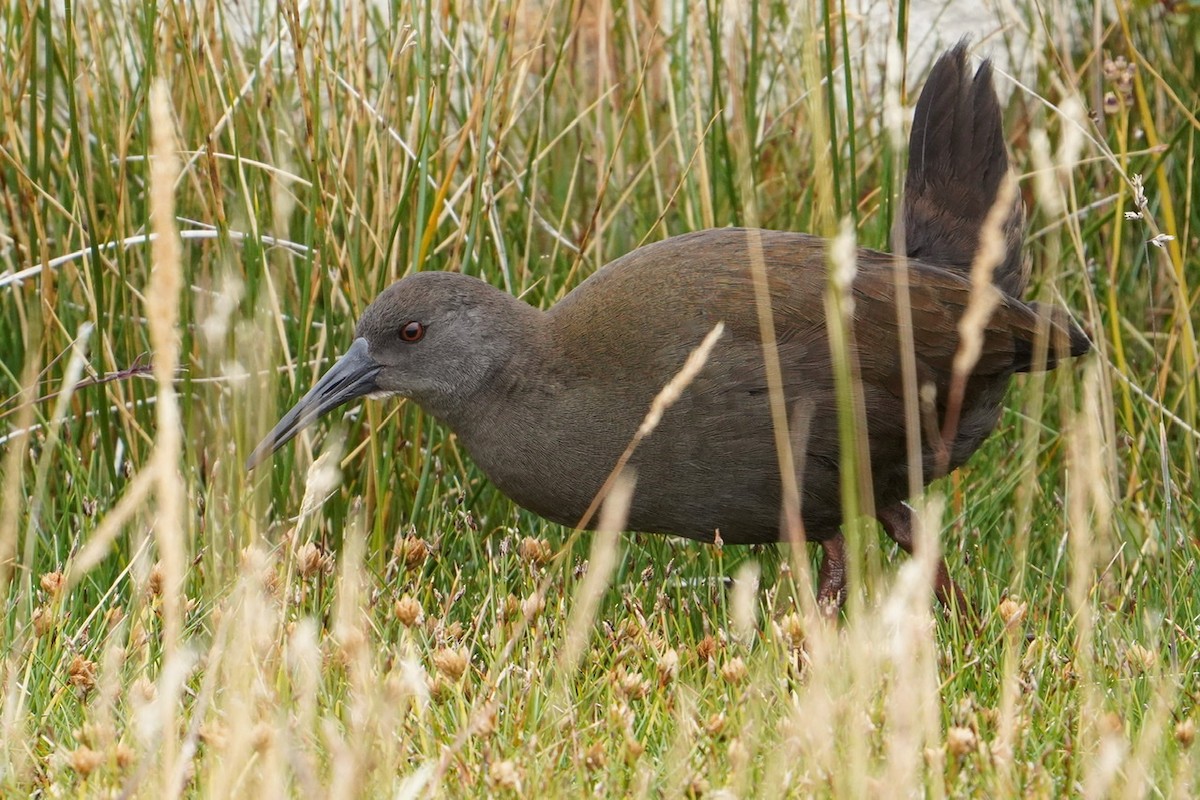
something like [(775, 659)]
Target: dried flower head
[(791, 627), (451, 662), (1139, 192), (633, 749), (1140, 659), (53, 583), (1012, 611), (82, 673), (511, 609), (504, 775), (630, 685), (144, 690), (408, 610), (485, 721), (535, 551), (739, 754), (1185, 732), (43, 620), (533, 605), (620, 716), (595, 758), (311, 561), (629, 630), (84, 760), (707, 648), (154, 582), (452, 631), (961, 741), (668, 667), (1120, 72), (412, 550), (213, 734), (262, 737), (123, 754), (734, 671)]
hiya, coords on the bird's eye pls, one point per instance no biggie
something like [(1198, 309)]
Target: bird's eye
[(412, 332)]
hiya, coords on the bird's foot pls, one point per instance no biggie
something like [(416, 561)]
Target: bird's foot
[(831, 580), (899, 522)]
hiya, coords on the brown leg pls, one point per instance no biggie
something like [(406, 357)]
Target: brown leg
[(898, 521), (831, 580)]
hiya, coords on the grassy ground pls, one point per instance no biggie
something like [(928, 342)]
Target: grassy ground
[(173, 625)]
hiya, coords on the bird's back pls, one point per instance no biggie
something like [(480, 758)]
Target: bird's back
[(712, 463)]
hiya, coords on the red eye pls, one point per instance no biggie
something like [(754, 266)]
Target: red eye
[(412, 332)]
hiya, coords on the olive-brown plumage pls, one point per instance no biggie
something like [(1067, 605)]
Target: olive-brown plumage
[(546, 401)]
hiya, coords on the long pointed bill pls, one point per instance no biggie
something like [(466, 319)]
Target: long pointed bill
[(352, 376)]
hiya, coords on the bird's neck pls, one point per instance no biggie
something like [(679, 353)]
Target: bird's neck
[(508, 428)]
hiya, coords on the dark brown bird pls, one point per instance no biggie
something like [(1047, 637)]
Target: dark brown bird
[(546, 401)]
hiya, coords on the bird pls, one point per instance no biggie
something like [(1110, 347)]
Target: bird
[(546, 401)]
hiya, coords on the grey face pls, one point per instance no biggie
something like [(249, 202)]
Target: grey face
[(435, 337)]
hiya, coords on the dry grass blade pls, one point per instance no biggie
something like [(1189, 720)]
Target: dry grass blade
[(662, 401), (162, 313), (601, 563), (983, 301)]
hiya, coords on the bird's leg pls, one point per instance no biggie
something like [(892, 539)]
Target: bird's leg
[(831, 580), (899, 522)]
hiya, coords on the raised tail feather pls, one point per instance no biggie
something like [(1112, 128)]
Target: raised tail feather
[(1066, 340), (957, 162)]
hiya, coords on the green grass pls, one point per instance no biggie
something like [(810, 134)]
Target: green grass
[(325, 152)]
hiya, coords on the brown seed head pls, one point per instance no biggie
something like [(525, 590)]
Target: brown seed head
[(791, 627), (533, 605), (412, 550), (263, 737), (82, 673), (595, 758), (43, 620), (154, 582), (1185, 732), (512, 607), (504, 775), (310, 560), (961, 741), (85, 760), (213, 734), (535, 551), (1140, 659), (668, 667), (630, 685), (53, 583), (409, 611), (451, 663), (1012, 611), (144, 690), (124, 755), (633, 749), (734, 671)]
